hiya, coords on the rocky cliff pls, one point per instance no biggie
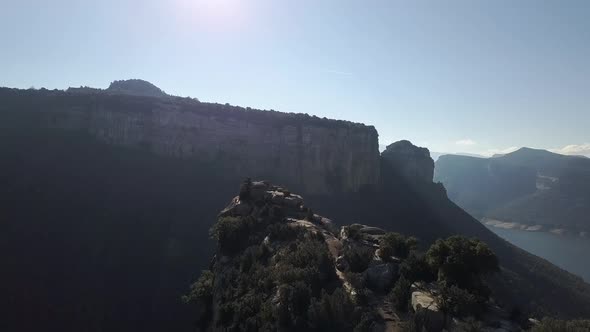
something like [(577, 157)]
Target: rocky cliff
[(309, 153), (410, 162)]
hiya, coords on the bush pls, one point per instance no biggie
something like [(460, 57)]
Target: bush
[(332, 312), (395, 244), (283, 232), (201, 295), (416, 268), (356, 279), (469, 325), (400, 294), (460, 302), (202, 289), (233, 234), (358, 257), (555, 325), (461, 262), (368, 323)]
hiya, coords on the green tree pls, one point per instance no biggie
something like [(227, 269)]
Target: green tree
[(358, 257), (202, 289), (460, 302), (395, 244), (461, 262), (416, 268), (401, 293)]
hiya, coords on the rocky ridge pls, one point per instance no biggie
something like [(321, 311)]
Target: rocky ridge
[(255, 215)]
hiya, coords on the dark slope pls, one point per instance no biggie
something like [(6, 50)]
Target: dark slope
[(96, 237), (426, 212)]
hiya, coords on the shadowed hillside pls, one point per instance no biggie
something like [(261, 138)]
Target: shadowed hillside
[(101, 234)]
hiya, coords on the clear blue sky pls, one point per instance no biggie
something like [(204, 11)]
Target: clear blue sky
[(455, 76)]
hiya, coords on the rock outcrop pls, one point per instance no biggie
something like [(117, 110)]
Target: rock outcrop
[(279, 266), (135, 87), (307, 153), (410, 162), (426, 308)]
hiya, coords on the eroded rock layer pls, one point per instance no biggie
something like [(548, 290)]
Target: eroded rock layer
[(309, 153)]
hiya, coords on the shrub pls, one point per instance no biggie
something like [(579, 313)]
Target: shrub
[(555, 325), (332, 312), (395, 244), (358, 257), (461, 262), (231, 234), (368, 322), (202, 289), (283, 232), (460, 302), (400, 294), (356, 279), (416, 268), (469, 325)]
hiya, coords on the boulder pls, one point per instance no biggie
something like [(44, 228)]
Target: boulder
[(342, 264), (372, 230), (381, 277), (428, 314), (293, 201), (277, 197), (236, 208)]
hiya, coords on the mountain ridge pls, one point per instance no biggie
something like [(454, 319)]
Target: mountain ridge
[(546, 179), (78, 172)]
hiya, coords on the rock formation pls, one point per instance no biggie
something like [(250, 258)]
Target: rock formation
[(308, 153), (409, 161), (279, 266), (135, 87)]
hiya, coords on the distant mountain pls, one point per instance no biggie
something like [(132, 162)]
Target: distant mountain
[(528, 186), (436, 155)]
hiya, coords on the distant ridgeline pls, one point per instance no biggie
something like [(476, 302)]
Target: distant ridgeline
[(528, 189), (314, 154), (109, 196)]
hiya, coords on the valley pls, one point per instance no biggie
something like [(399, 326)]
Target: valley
[(567, 252)]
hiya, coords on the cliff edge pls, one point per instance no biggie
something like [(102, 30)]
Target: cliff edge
[(312, 154)]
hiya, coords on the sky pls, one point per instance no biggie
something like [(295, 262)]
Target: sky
[(467, 76)]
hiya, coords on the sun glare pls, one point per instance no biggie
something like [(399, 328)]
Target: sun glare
[(215, 14)]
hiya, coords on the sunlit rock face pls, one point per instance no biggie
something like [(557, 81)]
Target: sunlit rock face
[(311, 154), (411, 162)]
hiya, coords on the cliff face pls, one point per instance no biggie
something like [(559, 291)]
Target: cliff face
[(409, 161), (312, 154)]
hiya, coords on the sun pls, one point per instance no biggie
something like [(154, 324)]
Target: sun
[(214, 13)]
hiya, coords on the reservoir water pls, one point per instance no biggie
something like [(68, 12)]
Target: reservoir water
[(568, 252)]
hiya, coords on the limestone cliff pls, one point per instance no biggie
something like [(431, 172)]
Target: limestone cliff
[(308, 153), (409, 161)]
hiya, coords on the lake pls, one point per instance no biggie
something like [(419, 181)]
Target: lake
[(568, 252)]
